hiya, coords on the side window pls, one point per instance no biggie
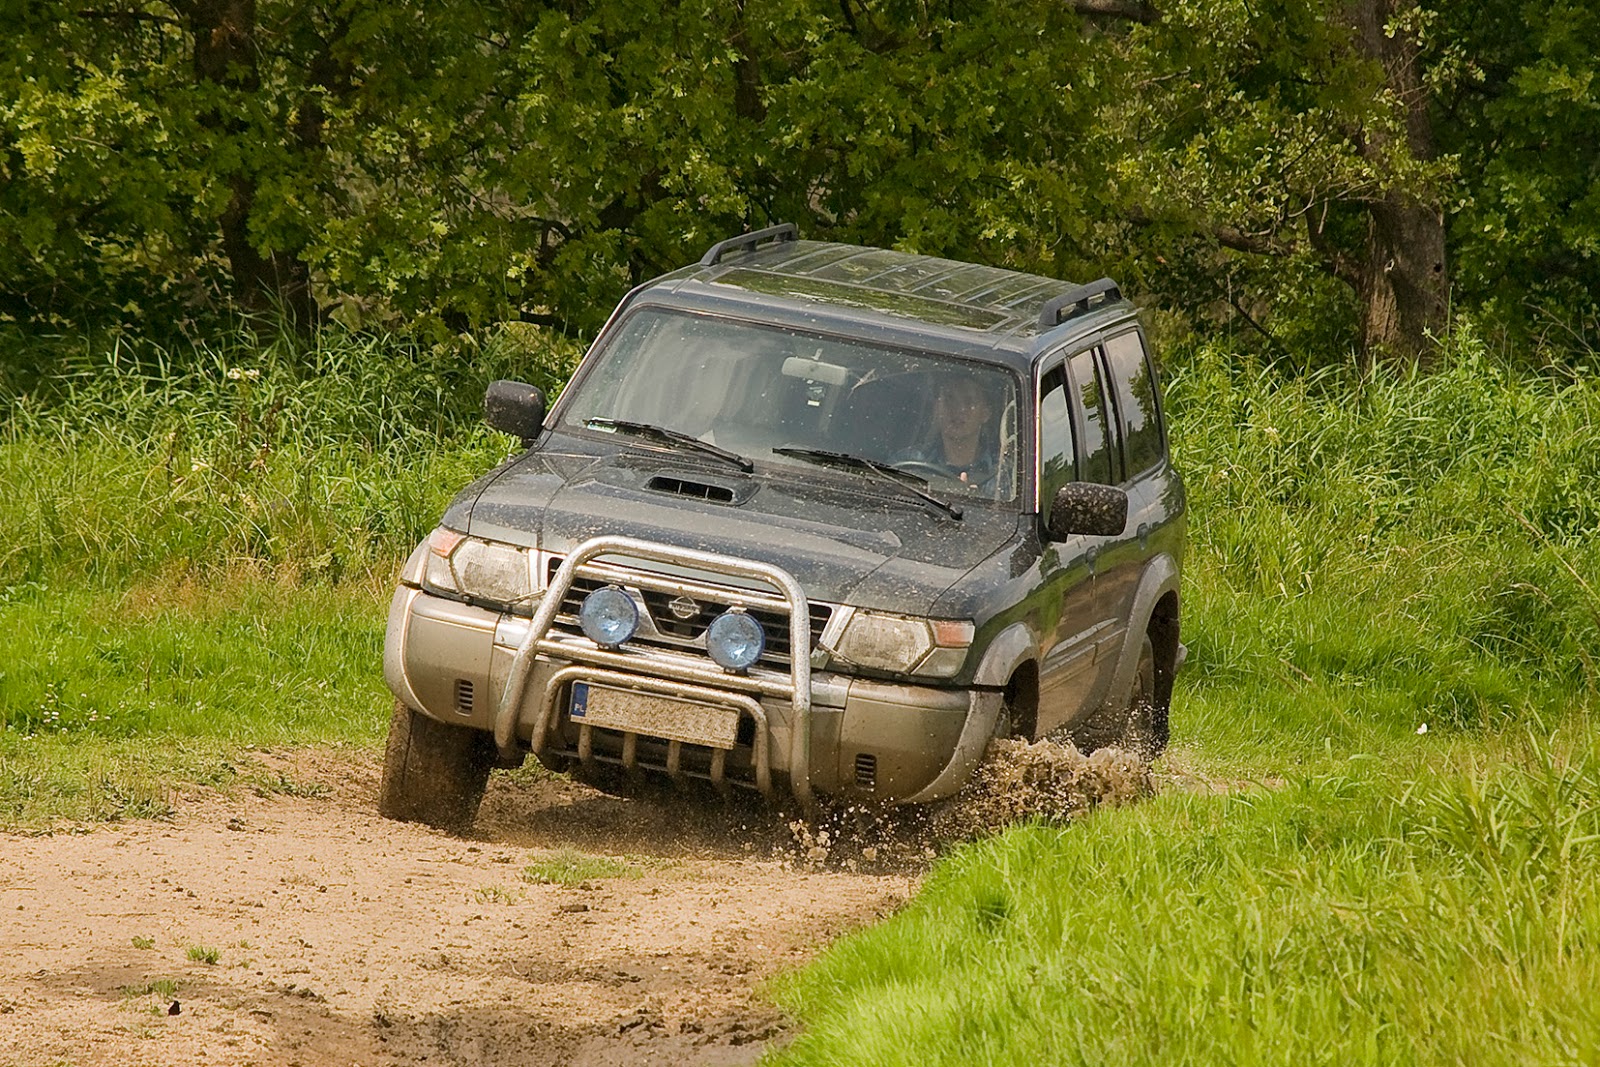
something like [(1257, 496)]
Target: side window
[(1057, 457), (1096, 465), (1136, 402)]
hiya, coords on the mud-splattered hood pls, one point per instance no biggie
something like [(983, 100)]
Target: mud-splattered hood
[(845, 538)]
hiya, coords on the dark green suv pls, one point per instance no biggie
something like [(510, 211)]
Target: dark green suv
[(810, 519)]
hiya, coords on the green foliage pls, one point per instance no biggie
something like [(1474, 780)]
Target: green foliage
[(203, 954), (432, 166), (1524, 108)]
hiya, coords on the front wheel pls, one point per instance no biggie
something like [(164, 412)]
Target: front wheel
[(433, 773)]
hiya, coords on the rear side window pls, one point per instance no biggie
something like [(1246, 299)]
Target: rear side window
[(1136, 402), (1096, 461)]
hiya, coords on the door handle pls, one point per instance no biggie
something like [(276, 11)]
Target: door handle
[(1091, 555), (1144, 535)]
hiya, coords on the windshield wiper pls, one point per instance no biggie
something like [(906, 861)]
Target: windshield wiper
[(909, 482), (671, 437)]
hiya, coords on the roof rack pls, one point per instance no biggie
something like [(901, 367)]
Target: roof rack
[(1050, 316), (784, 231)]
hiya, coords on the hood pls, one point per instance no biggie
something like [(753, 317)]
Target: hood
[(846, 538)]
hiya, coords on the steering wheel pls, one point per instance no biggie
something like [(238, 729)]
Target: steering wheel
[(922, 468)]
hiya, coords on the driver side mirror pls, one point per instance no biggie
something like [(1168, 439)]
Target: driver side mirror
[(1087, 508), (514, 408)]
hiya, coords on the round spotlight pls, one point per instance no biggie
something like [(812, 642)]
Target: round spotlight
[(735, 640), (608, 616)]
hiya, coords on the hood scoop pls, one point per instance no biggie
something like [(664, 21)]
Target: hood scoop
[(700, 488)]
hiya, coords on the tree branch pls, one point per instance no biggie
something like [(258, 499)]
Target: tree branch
[(1225, 235), (1256, 244), (1130, 10), (1334, 261)]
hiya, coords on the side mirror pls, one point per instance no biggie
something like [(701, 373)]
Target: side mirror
[(514, 408), (1087, 508)]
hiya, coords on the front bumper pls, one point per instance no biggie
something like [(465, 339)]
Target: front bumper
[(799, 731)]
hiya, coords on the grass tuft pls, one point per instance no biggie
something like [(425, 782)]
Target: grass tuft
[(204, 954), (164, 988), (571, 867)]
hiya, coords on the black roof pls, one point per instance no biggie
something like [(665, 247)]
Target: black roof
[(971, 305)]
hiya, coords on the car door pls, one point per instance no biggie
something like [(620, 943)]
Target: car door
[(1074, 624), (1129, 384)]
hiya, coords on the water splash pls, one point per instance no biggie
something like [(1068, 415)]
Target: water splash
[(1017, 781)]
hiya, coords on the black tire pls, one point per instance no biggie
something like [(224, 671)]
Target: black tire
[(433, 773), (1147, 727), (1138, 724)]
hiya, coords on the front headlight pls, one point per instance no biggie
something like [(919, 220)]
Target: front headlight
[(483, 570), (930, 648)]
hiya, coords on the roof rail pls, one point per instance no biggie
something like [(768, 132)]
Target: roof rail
[(783, 231), (1050, 316)]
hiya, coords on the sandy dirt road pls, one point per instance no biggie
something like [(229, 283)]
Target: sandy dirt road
[(341, 938)]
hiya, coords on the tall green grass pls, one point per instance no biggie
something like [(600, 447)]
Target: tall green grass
[(1374, 554), (1372, 916), (324, 458)]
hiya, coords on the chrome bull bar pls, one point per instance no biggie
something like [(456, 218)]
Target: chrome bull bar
[(673, 675), (630, 742)]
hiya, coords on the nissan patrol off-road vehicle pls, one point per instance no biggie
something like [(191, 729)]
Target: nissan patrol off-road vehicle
[(810, 519)]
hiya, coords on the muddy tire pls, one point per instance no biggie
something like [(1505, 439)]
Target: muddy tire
[(433, 773), (1146, 731), (1138, 724)]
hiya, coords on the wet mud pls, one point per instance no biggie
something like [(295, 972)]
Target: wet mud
[(299, 929)]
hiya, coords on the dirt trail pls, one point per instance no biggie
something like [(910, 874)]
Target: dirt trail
[(342, 938)]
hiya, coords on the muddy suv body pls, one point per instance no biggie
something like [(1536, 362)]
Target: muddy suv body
[(743, 548)]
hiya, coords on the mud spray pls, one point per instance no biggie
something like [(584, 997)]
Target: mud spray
[(1017, 780)]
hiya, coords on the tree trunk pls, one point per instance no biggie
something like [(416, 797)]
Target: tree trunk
[(225, 55), (1403, 285)]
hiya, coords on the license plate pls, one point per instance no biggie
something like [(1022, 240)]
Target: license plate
[(654, 716)]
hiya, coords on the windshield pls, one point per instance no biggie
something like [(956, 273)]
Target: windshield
[(755, 390)]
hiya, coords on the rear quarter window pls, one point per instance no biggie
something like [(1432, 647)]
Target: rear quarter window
[(1133, 377)]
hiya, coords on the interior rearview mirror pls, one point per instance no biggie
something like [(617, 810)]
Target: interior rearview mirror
[(1087, 508), (515, 408)]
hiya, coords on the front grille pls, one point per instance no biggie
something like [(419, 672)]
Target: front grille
[(677, 632)]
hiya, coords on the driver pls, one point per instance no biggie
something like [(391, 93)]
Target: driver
[(963, 435)]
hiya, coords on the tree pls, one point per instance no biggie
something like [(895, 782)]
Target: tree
[(1295, 132), (1314, 168)]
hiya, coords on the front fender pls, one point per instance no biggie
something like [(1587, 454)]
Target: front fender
[(1011, 648)]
